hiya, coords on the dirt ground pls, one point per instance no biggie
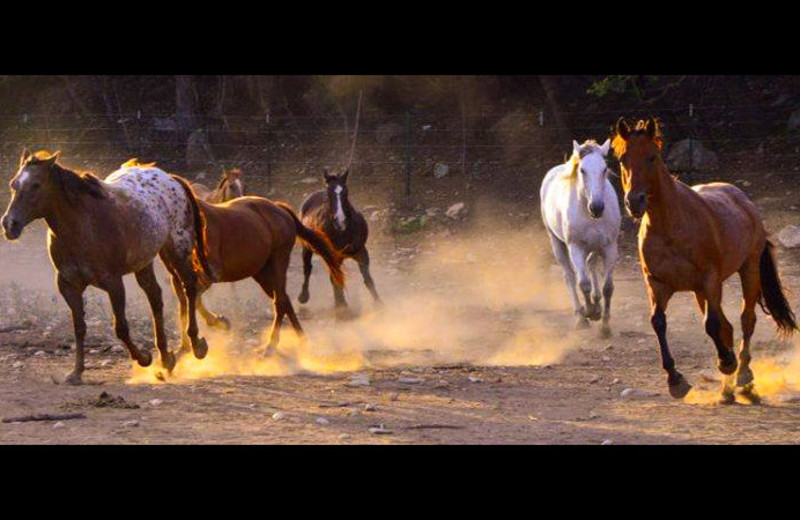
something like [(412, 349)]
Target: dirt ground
[(474, 346)]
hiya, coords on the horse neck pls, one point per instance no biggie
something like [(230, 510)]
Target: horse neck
[(64, 217), (664, 206)]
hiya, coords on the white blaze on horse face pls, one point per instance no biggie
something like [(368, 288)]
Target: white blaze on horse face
[(23, 178), (592, 175), (338, 210)]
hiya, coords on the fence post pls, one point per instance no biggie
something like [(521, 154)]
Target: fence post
[(409, 157)]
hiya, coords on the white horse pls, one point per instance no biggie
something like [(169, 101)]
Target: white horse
[(581, 212)]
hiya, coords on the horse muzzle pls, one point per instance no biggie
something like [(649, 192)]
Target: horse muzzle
[(596, 209), (12, 229)]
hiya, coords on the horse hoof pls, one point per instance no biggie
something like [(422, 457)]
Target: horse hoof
[(168, 361), (748, 392), (73, 379), (728, 367), (201, 348), (581, 323), (727, 398), (222, 323), (304, 297), (744, 377), (269, 351), (679, 388), (595, 314), (145, 358), (605, 332)]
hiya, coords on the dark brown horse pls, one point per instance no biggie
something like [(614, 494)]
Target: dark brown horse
[(330, 211), (229, 187), (99, 231), (693, 239), (253, 237)]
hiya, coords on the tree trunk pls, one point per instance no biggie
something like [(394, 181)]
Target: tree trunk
[(550, 86)]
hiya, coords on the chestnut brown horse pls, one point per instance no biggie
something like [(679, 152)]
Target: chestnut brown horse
[(229, 187), (253, 237), (99, 231), (693, 239), (330, 211)]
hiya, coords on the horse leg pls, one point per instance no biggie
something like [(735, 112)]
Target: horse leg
[(146, 278), (660, 295), (610, 256), (751, 290), (184, 270), (73, 295), (578, 258), (594, 312), (304, 295), (276, 270), (183, 313), (264, 280), (212, 320), (362, 257), (116, 293), (562, 257), (720, 331)]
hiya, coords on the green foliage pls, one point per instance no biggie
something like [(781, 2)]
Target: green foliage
[(619, 84)]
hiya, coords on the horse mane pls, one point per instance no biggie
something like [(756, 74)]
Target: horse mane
[(134, 163), (75, 184), (620, 145)]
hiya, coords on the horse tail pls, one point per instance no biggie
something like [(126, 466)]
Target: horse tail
[(200, 251), (773, 300), (319, 243)]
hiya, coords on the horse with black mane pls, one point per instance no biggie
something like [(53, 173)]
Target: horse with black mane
[(693, 239), (330, 211)]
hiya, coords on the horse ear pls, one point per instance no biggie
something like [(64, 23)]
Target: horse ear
[(575, 146), (651, 127), (344, 175), (26, 154), (52, 159), (605, 147), (327, 175), (623, 130)]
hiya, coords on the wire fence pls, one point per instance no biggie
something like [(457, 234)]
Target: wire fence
[(392, 146)]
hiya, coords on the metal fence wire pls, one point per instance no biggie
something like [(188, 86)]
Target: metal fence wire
[(399, 146)]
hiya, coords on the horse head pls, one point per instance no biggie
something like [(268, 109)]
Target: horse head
[(232, 186), (639, 152), (336, 186), (591, 172), (32, 190)]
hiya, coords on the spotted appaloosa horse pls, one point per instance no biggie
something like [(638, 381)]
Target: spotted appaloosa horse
[(693, 239), (330, 211), (99, 231), (581, 213), (229, 187)]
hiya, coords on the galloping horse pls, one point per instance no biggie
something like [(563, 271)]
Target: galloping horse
[(229, 187), (102, 230), (253, 237), (330, 211), (581, 213), (693, 239)]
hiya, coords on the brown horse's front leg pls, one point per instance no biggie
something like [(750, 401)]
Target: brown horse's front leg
[(659, 296), (116, 293), (73, 295)]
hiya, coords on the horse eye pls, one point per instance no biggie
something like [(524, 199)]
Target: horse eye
[(652, 159), (35, 186)]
